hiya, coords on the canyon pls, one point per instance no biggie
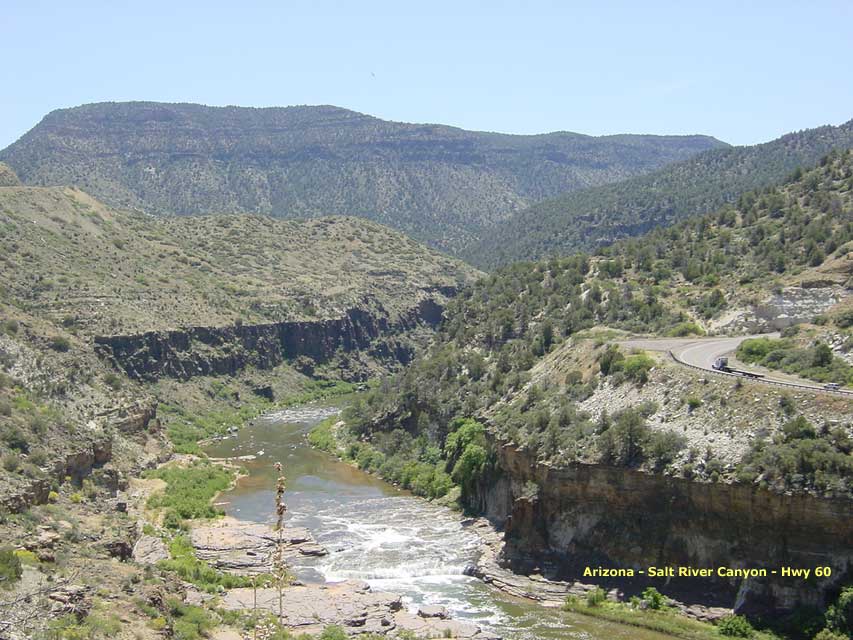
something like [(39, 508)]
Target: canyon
[(557, 520)]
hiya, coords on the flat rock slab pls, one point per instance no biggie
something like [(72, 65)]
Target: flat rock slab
[(440, 627), (432, 611), (310, 608), (351, 605), (150, 550), (244, 547)]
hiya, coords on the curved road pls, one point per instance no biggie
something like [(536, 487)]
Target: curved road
[(701, 353)]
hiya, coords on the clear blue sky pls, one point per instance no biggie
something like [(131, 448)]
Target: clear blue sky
[(745, 72)]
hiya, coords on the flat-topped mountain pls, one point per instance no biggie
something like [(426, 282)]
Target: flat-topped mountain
[(440, 184)]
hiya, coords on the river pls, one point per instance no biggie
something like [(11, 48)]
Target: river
[(380, 534)]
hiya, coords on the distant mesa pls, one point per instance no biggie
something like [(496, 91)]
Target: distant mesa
[(439, 184)]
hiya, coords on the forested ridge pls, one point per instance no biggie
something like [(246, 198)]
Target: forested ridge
[(589, 218), (668, 282)]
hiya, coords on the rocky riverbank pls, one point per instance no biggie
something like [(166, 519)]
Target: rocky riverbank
[(491, 568), (247, 548), (353, 606)]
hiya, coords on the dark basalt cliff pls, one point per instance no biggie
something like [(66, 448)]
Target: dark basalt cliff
[(196, 351), (560, 520)]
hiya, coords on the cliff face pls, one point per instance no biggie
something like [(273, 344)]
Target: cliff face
[(564, 519), (226, 350)]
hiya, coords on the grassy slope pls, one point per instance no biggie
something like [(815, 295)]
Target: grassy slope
[(67, 257)]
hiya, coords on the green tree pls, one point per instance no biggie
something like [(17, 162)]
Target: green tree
[(10, 568)]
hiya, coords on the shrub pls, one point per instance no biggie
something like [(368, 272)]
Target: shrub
[(790, 331), (31, 471), (38, 457), (637, 368), (798, 429), (684, 329), (464, 432), (10, 327), (623, 442), (16, 440), (595, 597), (844, 319), (839, 616), (827, 634), (816, 362), (469, 466), (735, 627), (10, 568), (653, 598), (333, 632), (693, 403), (59, 343), (755, 349), (321, 436), (113, 381), (786, 404), (11, 462), (608, 358), (664, 446), (185, 563), (189, 622), (101, 624), (190, 489)]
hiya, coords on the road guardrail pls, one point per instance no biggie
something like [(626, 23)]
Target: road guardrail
[(778, 383)]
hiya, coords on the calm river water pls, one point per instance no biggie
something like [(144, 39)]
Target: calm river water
[(380, 534)]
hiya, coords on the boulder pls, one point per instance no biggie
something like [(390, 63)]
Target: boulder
[(245, 547), (149, 550)]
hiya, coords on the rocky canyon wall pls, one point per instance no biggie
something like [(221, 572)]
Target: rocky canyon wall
[(226, 350), (560, 520)]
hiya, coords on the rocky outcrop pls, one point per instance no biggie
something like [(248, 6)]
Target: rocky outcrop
[(563, 519), (782, 309), (226, 350), (149, 550), (88, 455), (353, 606), (245, 547)]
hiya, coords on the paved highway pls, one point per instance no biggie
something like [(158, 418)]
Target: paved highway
[(701, 352)]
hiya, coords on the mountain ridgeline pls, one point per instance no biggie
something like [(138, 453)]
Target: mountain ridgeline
[(588, 218), (439, 184)]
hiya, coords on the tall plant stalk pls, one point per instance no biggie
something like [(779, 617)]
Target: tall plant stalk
[(279, 569)]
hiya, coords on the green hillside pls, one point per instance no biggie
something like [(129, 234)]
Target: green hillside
[(586, 219), (525, 348)]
